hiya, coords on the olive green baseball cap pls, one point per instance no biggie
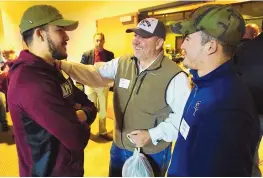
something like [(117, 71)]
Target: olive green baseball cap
[(222, 22), (38, 15)]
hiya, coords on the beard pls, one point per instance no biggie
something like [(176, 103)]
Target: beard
[(56, 54), (194, 61)]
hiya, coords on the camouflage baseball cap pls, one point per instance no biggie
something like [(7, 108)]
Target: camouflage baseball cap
[(222, 22), (38, 15)]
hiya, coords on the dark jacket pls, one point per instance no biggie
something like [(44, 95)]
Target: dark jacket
[(3, 80), (88, 57), (249, 61), (219, 131), (243, 40), (49, 137), (3, 77)]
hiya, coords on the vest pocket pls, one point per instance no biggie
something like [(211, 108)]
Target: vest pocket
[(159, 119), (161, 115)]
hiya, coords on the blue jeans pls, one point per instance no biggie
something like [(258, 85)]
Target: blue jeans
[(158, 161)]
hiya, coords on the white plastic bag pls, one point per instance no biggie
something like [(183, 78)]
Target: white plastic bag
[(137, 166)]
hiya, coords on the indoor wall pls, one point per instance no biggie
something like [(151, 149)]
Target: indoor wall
[(86, 12)]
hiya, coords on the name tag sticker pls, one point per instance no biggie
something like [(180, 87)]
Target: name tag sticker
[(124, 83), (184, 129)]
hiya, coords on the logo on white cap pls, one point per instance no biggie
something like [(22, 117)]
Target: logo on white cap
[(148, 24)]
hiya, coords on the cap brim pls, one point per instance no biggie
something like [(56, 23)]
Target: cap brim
[(68, 24), (184, 27), (140, 32)]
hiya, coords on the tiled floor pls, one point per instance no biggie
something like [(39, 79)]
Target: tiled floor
[(96, 153)]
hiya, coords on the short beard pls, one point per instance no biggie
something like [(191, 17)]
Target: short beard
[(54, 52)]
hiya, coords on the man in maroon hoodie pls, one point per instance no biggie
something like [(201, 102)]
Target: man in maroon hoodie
[(50, 132)]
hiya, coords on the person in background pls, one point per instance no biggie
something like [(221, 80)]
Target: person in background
[(6, 57), (219, 131), (3, 119), (252, 31), (98, 95), (150, 92), (249, 62), (51, 117)]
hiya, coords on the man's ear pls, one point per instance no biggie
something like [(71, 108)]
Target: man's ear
[(211, 47), (159, 43), (39, 34)]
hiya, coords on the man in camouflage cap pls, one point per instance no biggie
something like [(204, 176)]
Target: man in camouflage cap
[(219, 130)]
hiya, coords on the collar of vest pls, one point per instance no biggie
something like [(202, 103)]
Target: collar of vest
[(156, 64)]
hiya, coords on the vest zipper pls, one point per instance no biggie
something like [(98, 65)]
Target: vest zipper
[(137, 92), (128, 103)]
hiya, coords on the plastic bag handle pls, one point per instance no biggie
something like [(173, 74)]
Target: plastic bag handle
[(137, 150)]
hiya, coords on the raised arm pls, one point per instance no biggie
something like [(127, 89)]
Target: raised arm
[(99, 75)]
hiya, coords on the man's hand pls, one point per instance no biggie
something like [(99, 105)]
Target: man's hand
[(81, 115), (140, 137), (77, 106)]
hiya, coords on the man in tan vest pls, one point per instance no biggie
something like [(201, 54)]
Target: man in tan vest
[(150, 92)]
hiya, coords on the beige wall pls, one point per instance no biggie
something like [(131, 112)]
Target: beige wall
[(117, 40), (86, 12), (1, 30)]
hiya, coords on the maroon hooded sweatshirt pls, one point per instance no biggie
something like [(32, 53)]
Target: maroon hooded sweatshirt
[(49, 137)]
